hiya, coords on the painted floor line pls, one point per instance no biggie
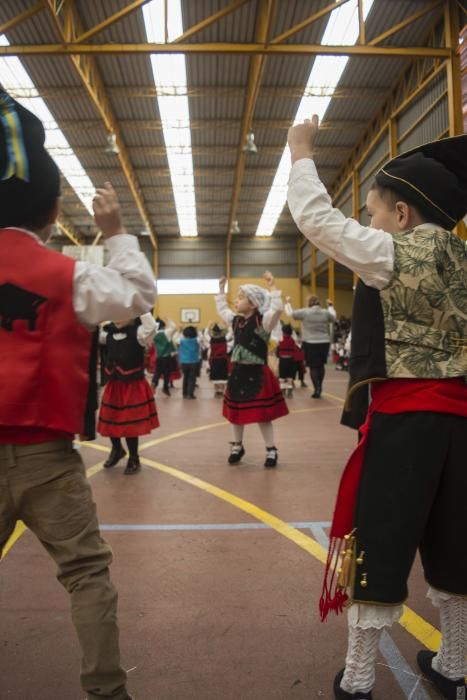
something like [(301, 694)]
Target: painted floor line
[(203, 526), (413, 623), (406, 678)]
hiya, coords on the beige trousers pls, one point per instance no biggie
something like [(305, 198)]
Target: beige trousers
[(45, 486)]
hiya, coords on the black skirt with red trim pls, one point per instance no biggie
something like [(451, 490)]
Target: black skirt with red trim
[(127, 409), (253, 395)]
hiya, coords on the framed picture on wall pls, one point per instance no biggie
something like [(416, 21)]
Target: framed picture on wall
[(189, 315)]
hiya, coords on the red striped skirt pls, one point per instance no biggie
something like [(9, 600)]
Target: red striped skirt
[(127, 409), (260, 404)]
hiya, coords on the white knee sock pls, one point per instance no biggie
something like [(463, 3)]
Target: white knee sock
[(366, 624), (267, 431), (238, 432), (450, 660)]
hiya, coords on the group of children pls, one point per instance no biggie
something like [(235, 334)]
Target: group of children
[(252, 393)]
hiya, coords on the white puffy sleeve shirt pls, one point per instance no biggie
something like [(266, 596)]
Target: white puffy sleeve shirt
[(367, 251)]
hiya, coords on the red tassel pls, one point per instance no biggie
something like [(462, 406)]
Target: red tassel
[(332, 597)]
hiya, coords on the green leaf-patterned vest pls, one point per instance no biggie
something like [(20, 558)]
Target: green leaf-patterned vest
[(425, 306), (416, 327)]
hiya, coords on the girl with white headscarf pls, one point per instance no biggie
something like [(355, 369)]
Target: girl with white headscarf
[(253, 394)]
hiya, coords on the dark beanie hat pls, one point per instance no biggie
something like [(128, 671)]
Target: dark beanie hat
[(29, 177), (432, 177)]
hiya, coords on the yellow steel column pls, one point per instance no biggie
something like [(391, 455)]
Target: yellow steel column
[(300, 270), (313, 269), (331, 280), (156, 262), (453, 68), (392, 125)]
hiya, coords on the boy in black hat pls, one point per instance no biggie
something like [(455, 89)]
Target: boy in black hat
[(409, 339), (49, 307)]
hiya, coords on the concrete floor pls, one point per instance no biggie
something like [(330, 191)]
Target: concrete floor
[(208, 612)]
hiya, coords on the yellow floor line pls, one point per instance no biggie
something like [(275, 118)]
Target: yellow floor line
[(302, 540), (414, 624), (17, 532)]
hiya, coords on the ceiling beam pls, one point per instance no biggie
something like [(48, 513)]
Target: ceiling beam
[(207, 124), (21, 17), (409, 20), (69, 25), (208, 21), (255, 71), (69, 230), (214, 173), (124, 12), (307, 22), (68, 48), (200, 150), (214, 91)]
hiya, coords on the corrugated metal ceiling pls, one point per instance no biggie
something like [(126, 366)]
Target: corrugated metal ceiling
[(217, 86)]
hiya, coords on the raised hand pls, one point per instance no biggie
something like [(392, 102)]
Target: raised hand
[(107, 211), (222, 283), (301, 138)]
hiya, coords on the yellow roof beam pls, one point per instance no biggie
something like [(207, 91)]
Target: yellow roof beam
[(208, 124), (255, 71), (69, 231), (21, 17), (69, 25), (124, 12), (307, 22), (68, 48), (208, 21)]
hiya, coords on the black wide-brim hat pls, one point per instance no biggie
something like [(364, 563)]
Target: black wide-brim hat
[(433, 178), (28, 174)]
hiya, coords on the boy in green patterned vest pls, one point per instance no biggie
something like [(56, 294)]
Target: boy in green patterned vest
[(400, 487)]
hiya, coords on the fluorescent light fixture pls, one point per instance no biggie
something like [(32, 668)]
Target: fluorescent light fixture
[(209, 286), (342, 30), (169, 71), (14, 78)]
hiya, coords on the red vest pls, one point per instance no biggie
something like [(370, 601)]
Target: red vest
[(44, 349), (287, 347)]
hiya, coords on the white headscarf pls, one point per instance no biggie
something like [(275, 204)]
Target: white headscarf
[(258, 296)]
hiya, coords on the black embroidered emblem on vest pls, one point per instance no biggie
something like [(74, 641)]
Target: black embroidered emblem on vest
[(17, 304)]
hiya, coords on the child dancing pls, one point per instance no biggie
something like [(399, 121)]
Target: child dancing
[(253, 394)]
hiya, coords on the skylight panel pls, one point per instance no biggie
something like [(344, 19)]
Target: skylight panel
[(342, 30), (14, 77), (169, 71)]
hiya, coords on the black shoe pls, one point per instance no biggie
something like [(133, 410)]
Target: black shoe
[(166, 391), (452, 690), (344, 695), (236, 452), (116, 454), (316, 394), (133, 465), (271, 457), (303, 384), (191, 396)]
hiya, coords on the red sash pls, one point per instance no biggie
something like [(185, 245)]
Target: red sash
[(391, 396)]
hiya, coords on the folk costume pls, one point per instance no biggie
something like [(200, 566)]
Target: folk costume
[(409, 341), (49, 308), (165, 350), (253, 393), (219, 360), (127, 408), (287, 352)]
